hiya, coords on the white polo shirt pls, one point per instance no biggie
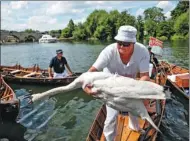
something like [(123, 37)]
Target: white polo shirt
[(109, 60)]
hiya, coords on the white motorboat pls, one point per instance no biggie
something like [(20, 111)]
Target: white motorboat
[(47, 39)]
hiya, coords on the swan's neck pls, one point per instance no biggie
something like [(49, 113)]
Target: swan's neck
[(63, 89)]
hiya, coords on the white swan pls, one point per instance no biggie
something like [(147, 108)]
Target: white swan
[(120, 93)]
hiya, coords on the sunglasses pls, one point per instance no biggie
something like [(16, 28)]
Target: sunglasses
[(124, 44)]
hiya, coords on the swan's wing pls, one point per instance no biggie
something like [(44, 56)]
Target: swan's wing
[(126, 93), (125, 81), (129, 88)]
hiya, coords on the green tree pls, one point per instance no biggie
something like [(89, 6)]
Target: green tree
[(113, 17), (140, 28), (125, 18), (68, 31), (181, 7), (181, 25), (95, 19), (29, 30), (80, 32), (103, 25), (59, 31), (150, 27), (165, 29), (155, 14), (71, 26)]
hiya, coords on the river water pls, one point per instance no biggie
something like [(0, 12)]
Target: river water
[(68, 116)]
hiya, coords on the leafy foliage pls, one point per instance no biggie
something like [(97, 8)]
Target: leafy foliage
[(181, 7), (181, 25), (154, 14), (103, 25), (80, 32), (165, 29), (140, 28), (68, 31), (29, 30)]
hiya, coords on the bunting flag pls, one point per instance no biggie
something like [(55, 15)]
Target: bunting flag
[(155, 42)]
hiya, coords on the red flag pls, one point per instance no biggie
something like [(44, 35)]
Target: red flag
[(155, 42)]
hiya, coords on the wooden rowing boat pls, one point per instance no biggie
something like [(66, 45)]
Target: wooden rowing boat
[(33, 75), (155, 109), (9, 109), (177, 78), (123, 132), (9, 104)]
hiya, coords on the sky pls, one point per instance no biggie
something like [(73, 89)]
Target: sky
[(54, 15)]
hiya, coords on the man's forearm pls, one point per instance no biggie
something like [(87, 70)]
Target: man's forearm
[(68, 68), (144, 76), (92, 69), (50, 72)]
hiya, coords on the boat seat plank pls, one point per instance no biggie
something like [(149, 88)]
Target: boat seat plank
[(120, 125), (183, 80), (31, 74), (102, 137), (134, 136), (5, 97), (123, 132), (126, 131), (15, 71)]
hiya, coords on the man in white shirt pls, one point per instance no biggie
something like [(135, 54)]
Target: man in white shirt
[(126, 57)]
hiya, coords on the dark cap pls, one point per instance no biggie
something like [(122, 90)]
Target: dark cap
[(59, 51), (149, 47)]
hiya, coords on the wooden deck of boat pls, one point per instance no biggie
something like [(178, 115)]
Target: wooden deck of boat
[(123, 132), (126, 134)]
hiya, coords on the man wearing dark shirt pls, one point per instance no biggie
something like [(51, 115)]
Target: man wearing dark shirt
[(154, 61), (58, 63)]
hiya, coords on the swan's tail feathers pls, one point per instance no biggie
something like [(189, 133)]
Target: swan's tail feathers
[(167, 93), (166, 87), (152, 123)]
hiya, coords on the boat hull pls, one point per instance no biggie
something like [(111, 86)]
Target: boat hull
[(47, 41), (20, 75), (9, 104), (123, 132), (40, 81), (176, 70), (176, 90)]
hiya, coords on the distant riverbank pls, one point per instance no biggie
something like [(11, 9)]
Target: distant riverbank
[(92, 41)]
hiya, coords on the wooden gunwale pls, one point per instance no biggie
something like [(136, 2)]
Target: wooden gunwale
[(173, 69)]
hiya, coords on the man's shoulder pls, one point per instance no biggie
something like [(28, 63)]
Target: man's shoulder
[(63, 58), (140, 46), (54, 58), (111, 47), (141, 50)]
